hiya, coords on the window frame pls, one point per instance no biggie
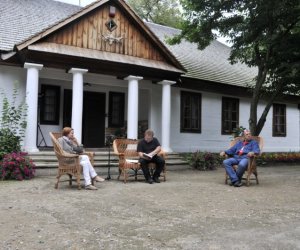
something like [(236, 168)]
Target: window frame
[(183, 116), (276, 106), (231, 101), (43, 97), (121, 107)]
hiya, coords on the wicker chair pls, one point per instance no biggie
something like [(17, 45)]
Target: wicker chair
[(125, 149), (88, 153), (252, 168), (68, 163)]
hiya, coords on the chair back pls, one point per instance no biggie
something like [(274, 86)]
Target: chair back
[(56, 134), (259, 140), (127, 147), (57, 148)]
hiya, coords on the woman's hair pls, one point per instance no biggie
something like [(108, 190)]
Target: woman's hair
[(66, 131)]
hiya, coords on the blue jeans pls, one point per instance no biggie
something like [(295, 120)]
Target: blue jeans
[(242, 166)]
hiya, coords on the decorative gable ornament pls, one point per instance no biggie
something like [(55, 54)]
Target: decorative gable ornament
[(110, 38)]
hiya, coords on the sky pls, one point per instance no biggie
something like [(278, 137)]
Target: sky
[(86, 2)]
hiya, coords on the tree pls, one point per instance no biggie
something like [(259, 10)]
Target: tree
[(164, 12), (264, 34)]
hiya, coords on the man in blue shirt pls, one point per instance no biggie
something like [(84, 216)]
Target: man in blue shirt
[(148, 149), (240, 154)]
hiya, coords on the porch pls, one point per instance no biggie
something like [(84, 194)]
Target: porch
[(46, 161)]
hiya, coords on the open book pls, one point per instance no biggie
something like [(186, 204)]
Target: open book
[(132, 161), (148, 156)]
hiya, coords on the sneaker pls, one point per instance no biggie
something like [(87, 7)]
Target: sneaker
[(98, 179), (155, 179), (150, 181), (90, 187), (237, 184)]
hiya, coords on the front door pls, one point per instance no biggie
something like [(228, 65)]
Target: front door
[(93, 119)]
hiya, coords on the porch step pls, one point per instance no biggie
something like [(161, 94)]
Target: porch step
[(46, 161)]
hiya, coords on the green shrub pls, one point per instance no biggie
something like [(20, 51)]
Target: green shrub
[(203, 160), (210, 161), (237, 132), (279, 157), (13, 123), (9, 142)]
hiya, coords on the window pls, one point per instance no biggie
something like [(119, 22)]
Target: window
[(190, 112), (111, 25), (230, 115), (49, 104), (279, 120), (116, 109)]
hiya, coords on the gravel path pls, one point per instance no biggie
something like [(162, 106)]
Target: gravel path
[(192, 210)]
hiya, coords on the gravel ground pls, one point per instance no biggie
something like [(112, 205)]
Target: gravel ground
[(192, 210)]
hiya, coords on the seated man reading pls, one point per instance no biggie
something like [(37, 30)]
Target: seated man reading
[(240, 153), (148, 149)]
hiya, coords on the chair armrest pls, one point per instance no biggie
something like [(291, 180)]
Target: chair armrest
[(90, 153), (162, 154), (68, 155)]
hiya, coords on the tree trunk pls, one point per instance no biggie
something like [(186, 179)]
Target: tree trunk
[(261, 77), (263, 116)]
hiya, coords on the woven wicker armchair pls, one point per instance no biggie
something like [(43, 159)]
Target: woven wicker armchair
[(68, 163), (88, 153), (252, 168), (126, 150)]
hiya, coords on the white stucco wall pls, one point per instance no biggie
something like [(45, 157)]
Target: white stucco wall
[(8, 77), (210, 139), (11, 77)]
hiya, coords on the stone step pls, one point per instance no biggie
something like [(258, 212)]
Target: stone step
[(48, 160)]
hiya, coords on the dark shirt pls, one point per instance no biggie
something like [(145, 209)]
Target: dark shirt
[(147, 147)]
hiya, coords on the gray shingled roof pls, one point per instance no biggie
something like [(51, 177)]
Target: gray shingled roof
[(210, 64), (22, 19)]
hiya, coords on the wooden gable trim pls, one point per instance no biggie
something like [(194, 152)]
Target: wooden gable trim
[(57, 26), (65, 51), (90, 32), (127, 10)]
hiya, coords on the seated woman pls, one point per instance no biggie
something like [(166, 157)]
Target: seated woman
[(68, 142)]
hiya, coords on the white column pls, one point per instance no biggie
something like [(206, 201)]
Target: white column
[(77, 101), (32, 91), (132, 107), (166, 114)]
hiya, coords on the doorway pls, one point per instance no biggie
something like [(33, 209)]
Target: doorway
[(93, 119)]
